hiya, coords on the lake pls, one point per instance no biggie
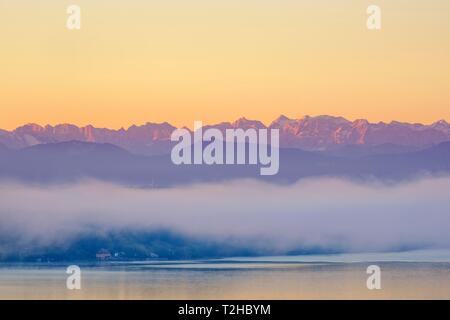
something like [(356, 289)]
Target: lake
[(408, 275)]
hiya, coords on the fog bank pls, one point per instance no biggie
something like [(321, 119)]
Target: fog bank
[(330, 213)]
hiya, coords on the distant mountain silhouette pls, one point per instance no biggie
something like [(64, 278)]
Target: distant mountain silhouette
[(321, 133), (72, 161), (3, 148)]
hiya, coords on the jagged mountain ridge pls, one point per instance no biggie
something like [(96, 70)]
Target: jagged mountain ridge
[(308, 133)]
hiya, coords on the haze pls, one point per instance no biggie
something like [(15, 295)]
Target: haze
[(331, 213)]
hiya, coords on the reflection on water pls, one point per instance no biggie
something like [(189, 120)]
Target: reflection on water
[(320, 277)]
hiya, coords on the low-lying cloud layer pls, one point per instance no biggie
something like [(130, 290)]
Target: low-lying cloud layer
[(329, 213)]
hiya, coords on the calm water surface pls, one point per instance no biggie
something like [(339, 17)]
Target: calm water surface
[(409, 275)]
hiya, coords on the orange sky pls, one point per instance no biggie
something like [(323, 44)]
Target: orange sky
[(178, 61)]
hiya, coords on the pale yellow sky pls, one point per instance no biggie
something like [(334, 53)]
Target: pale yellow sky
[(215, 60)]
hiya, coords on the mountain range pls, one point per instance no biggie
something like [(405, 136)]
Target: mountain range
[(68, 162), (320, 133), (139, 157)]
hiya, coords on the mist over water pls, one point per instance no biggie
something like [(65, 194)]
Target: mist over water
[(329, 213)]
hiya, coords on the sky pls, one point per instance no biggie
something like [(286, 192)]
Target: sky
[(139, 61)]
